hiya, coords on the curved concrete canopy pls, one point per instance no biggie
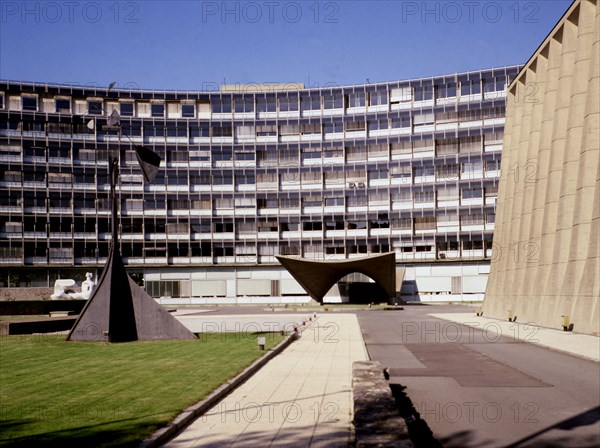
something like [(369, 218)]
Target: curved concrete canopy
[(317, 277)]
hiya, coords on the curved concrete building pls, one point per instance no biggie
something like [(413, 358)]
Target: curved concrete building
[(547, 265), (252, 172)]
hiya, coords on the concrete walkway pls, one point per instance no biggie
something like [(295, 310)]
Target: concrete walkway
[(302, 398), (582, 345)]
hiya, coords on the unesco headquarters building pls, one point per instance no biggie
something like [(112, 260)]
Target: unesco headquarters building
[(250, 172)]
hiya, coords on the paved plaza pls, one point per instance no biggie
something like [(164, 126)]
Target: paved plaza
[(301, 398)]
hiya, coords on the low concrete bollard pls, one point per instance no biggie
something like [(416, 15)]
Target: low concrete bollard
[(377, 422)]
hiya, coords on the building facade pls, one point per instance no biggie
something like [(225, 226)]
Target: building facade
[(251, 172), (548, 215)]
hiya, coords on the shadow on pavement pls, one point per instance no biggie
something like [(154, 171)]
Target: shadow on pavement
[(589, 417), (418, 429)]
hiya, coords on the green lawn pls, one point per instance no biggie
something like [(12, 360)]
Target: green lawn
[(57, 393)]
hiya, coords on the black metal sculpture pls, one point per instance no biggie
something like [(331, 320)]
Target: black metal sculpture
[(119, 310)]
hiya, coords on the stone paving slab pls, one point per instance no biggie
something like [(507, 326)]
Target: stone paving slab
[(302, 398), (582, 345)]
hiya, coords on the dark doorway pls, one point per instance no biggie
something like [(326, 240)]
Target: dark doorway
[(363, 293)]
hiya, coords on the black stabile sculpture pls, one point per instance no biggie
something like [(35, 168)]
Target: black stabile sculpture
[(119, 310)]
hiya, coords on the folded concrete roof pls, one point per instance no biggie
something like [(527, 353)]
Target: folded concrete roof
[(317, 277)]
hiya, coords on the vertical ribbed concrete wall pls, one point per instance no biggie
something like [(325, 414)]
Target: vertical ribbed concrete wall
[(546, 252)]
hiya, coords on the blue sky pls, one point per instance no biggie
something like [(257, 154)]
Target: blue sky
[(196, 45)]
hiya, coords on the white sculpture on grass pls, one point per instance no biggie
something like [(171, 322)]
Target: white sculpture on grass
[(63, 288)]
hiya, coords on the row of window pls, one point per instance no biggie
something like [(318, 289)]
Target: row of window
[(348, 179), (251, 132), (43, 252), (67, 225), (251, 104)]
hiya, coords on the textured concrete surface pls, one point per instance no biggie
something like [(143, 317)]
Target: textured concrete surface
[(546, 261), (582, 345), (473, 387), (377, 423)]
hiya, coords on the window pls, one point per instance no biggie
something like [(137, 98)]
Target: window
[(402, 171), (94, 107), (311, 103), (402, 148), (356, 225), (311, 153), (334, 202), (63, 105), (266, 131), (492, 165), (1, 101), (471, 170), (222, 179), (425, 223), (352, 126), (289, 129), (402, 223), (288, 104), (246, 228), (188, 110), (379, 198), (447, 193), (423, 119), (356, 99), (471, 87), (356, 201), (222, 106), (154, 131), (401, 95), (470, 144), (29, 103), (356, 153), (311, 177), (244, 105), (310, 128), (245, 202), (222, 131), (245, 132), (421, 171), (446, 117), (268, 226), (380, 150), (223, 227), (287, 203), (447, 171), (312, 226), (199, 130), (333, 102), (400, 122), (469, 115), (445, 90), (381, 123), (333, 152), (424, 145), (423, 93), (126, 109), (472, 193), (424, 196), (157, 110), (472, 219), (378, 98), (446, 146), (245, 180), (268, 104), (332, 128)]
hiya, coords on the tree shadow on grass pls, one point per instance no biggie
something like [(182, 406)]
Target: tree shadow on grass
[(120, 433)]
